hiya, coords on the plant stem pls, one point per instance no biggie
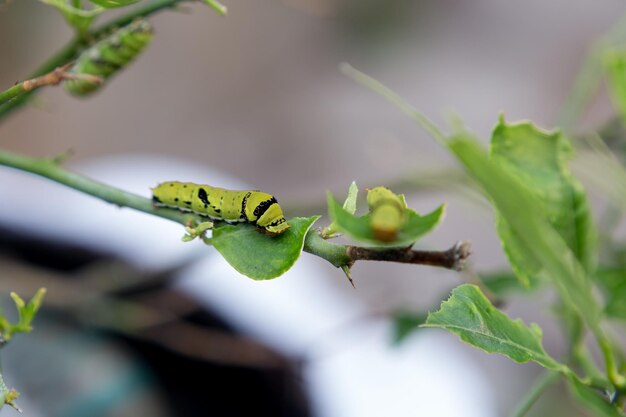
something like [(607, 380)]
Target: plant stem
[(63, 56), (137, 13), (337, 255), (618, 380), (49, 168), (11, 93), (52, 78), (72, 49), (379, 88), (535, 392)]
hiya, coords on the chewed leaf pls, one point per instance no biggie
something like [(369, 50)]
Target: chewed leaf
[(360, 229), (469, 315), (539, 160), (258, 256), (538, 240)]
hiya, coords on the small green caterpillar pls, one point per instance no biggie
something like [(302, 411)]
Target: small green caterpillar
[(260, 209), (109, 55), (387, 213)]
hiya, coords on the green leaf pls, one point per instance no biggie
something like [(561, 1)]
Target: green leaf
[(258, 256), (349, 205), (359, 227), (405, 323), (539, 242), (591, 400), (110, 4), (26, 313), (469, 315), (612, 282), (538, 160), (614, 61)]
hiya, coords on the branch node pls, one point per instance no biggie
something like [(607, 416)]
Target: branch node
[(346, 270), (460, 252)]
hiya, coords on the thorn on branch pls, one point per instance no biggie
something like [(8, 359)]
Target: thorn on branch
[(346, 270)]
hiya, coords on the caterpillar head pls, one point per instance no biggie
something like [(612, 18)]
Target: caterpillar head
[(275, 228), (273, 222), (263, 209)]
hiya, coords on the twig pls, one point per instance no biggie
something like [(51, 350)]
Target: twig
[(338, 255), (396, 100), (538, 388), (54, 77), (452, 258)]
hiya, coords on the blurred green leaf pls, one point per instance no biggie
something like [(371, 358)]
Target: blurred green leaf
[(258, 256), (405, 323), (538, 160), (612, 282), (592, 400), (359, 228), (26, 313), (540, 242), (614, 61), (469, 315), (349, 205)]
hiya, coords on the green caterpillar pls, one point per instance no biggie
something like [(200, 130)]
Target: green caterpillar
[(260, 209), (387, 213), (109, 55)]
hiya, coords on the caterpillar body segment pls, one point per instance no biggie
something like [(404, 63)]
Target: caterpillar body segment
[(109, 55), (258, 208), (387, 213)]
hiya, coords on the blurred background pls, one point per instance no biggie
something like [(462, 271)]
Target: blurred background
[(139, 324)]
